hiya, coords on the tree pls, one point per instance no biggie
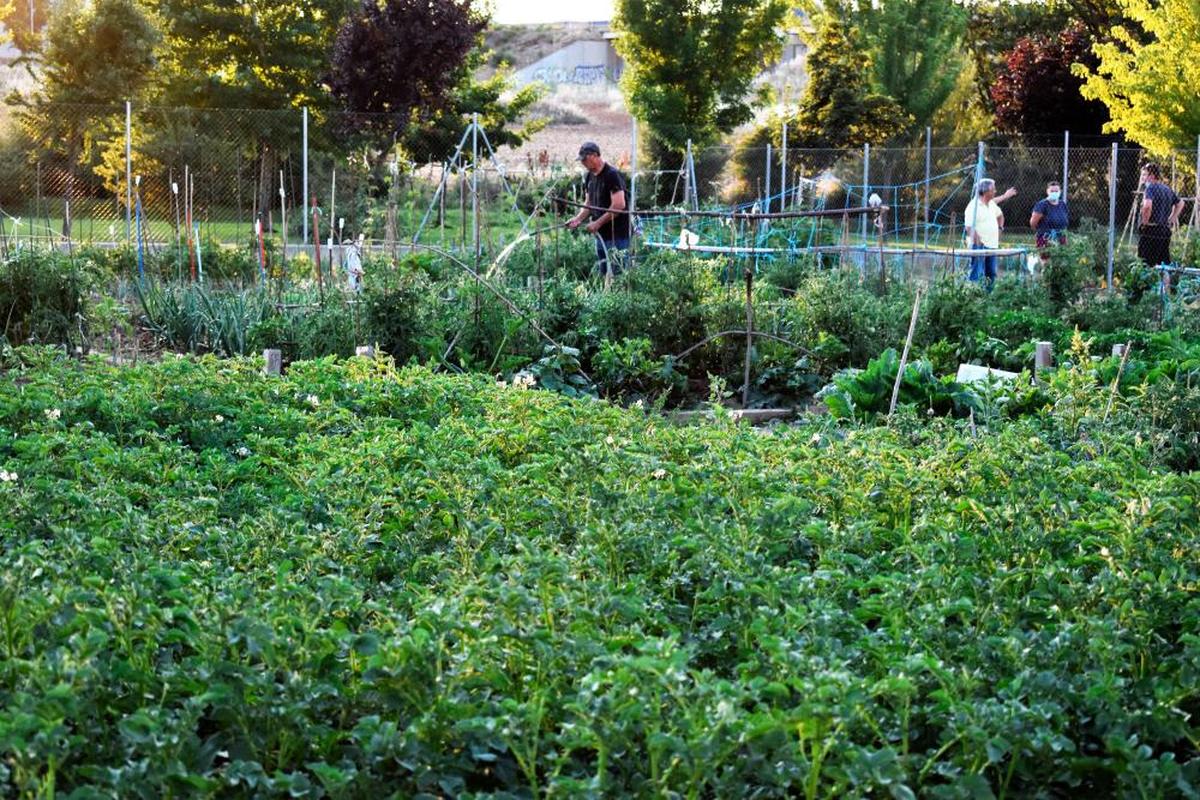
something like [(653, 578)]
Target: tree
[(840, 108), (263, 54), (409, 64), (690, 64), (913, 47), (1036, 91), (1149, 85), (98, 55), (401, 58)]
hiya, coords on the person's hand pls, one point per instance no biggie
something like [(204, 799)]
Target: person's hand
[(592, 227), (1012, 192), (572, 224)]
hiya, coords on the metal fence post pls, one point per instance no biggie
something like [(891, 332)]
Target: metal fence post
[(475, 185), (866, 185), (304, 168), (767, 170), (783, 169), (1196, 202), (1066, 161), (928, 178), (1112, 214), (128, 170), (633, 154)]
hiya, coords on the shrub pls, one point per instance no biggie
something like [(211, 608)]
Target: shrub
[(43, 299)]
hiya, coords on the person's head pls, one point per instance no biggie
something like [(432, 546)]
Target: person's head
[(987, 189), (1053, 191), (589, 156), (1151, 172)]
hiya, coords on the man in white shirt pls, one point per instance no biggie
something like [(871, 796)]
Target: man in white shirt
[(982, 223)]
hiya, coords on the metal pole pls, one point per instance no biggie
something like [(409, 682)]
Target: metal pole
[(1112, 214), (633, 154), (767, 198), (687, 175), (1196, 201), (475, 182), (866, 184), (1066, 161), (928, 177), (304, 169), (128, 170), (783, 170)]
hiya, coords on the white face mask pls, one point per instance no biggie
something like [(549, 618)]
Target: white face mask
[(1053, 196)]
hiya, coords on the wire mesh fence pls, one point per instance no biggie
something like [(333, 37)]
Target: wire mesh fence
[(105, 174)]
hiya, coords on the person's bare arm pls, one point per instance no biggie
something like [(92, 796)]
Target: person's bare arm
[(616, 205), (1176, 210), (1034, 219), (574, 221), (1147, 207), (1012, 192)]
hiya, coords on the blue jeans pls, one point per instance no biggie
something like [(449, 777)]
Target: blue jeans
[(983, 266), (614, 248)]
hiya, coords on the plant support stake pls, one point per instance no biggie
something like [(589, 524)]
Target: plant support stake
[(912, 328)]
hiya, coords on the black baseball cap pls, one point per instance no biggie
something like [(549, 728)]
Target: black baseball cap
[(588, 148)]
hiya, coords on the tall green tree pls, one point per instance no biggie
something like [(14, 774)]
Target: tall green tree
[(97, 55), (1149, 82), (840, 107), (690, 64), (913, 48), (265, 54), (410, 64)]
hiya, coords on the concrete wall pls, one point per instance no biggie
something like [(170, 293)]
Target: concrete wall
[(583, 63)]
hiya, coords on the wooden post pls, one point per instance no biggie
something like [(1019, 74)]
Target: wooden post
[(273, 362), (749, 333), (1044, 357), (912, 329)]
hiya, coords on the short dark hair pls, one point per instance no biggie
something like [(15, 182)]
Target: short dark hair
[(1152, 169), (1054, 183)]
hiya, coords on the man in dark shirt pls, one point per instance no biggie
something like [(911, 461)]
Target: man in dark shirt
[(605, 208), (1160, 214)]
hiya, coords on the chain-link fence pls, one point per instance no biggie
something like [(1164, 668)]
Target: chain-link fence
[(100, 174)]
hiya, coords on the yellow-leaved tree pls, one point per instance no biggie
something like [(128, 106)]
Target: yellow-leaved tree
[(1149, 82)]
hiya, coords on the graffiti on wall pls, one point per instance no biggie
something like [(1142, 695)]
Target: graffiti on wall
[(581, 74)]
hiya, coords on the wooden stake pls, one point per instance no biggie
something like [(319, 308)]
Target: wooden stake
[(912, 329), (273, 362)]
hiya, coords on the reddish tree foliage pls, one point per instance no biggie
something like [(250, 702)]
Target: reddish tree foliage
[(1035, 92), (402, 57)]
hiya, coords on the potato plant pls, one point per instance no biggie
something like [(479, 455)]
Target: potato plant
[(357, 581)]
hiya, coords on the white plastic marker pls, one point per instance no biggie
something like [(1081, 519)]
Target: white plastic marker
[(199, 262)]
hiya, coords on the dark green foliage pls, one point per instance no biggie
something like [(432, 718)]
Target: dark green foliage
[(43, 300), (840, 108), (838, 305), (863, 394), (628, 371), (396, 311), (361, 583), (690, 65)]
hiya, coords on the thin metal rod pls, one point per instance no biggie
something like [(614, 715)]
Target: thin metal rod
[(1112, 215), (304, 169), (1066, 161), (128, 170)]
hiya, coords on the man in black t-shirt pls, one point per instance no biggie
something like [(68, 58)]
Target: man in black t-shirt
[(605, 208), (1160, 214)]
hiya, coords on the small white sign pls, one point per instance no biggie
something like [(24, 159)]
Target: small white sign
[(973, 373)]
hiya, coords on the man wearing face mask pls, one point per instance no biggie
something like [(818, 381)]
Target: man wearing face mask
[(1050, 218), (1160, 214)]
